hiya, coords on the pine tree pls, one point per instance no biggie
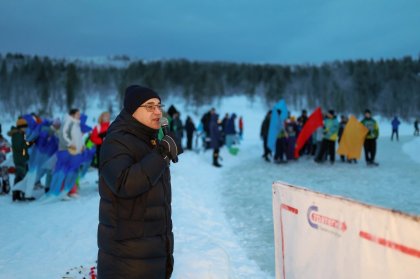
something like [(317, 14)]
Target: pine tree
[(72, 85)]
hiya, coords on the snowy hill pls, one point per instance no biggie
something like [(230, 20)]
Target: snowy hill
[(222, 217)]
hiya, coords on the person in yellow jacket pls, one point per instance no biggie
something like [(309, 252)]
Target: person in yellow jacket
[(370, 141), (330, 137)]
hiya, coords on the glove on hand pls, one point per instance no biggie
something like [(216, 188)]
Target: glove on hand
[(170, 148)]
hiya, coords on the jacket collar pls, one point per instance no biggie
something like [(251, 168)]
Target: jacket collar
[(127, 123)]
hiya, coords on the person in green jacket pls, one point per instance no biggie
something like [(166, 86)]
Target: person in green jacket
[(20, 154), (330, 135), (370, 140)]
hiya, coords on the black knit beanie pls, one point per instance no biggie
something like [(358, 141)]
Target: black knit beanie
[(136, 95)]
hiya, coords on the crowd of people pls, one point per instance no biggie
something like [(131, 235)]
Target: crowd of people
[(322, 143), (211, 132), (216, 132), (62, 151)]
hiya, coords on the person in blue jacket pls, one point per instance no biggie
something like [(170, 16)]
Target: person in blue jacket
[(395, 124)]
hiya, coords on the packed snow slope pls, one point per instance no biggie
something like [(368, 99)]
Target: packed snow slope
[(222, 217)]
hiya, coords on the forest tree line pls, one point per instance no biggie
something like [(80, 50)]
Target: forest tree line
[(387, 86)]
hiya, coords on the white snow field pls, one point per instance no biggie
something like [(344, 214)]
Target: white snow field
[(222, 217)]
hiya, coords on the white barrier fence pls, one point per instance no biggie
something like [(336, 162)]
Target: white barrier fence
[(323, 236)]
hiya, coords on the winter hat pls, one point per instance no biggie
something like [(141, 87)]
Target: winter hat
[(136, 95), (332, 112), (367, 111), (21, 123), (56, 123)]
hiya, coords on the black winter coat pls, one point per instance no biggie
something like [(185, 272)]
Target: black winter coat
[(265, 126), (215, 134), (19, 147), (189, 127), (135, 237)]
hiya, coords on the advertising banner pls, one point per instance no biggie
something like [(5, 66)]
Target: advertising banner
[(323, 236)]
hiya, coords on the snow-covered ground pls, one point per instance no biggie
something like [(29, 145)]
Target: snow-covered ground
[(222, 217)]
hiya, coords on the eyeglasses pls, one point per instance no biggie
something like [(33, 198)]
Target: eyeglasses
[(151, 108)]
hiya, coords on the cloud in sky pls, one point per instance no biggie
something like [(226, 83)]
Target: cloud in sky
[(271, 31)]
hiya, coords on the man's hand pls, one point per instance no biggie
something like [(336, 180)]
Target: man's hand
[(170, 148)]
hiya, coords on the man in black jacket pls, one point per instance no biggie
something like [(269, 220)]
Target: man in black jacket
[(135, 237), (265, 127)]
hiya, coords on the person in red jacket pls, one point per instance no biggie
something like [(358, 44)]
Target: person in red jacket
[(241, 127), (4, 170), (98, 133)]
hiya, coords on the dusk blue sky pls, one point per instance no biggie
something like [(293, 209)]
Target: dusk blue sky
[(260, 31)]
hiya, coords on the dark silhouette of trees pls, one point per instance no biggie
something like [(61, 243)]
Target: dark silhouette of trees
[(72, 85), (387, 86)]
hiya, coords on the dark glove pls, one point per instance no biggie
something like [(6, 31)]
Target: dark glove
[(170, 148)]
